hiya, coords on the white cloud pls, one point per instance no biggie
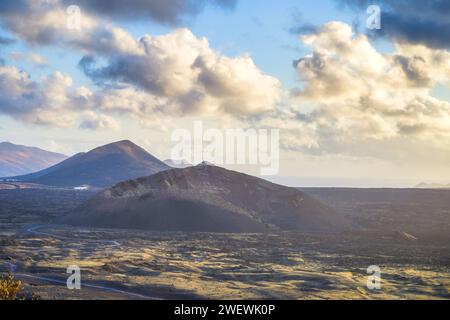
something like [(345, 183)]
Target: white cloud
[(43, 22), (177, 73), (49, 101), (365, 103), (365, 98), (188, 77), (41, 102), (93, 121)]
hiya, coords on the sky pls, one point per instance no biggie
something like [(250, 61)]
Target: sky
[(355, 107)]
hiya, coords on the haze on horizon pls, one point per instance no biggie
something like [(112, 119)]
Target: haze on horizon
[(355, 107)]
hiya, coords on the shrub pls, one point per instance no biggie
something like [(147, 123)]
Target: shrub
[(9, 288)]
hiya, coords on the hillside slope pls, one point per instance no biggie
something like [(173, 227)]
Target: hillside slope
[(205, 198), (18, 160), (101, 167)]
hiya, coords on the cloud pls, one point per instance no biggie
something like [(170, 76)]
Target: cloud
[(48, 102), (363, 102), (344, 65), (367, 102), (164, 11), (33, 21), (35, 59), (412, 21), (184, 73), (6, 41), (173, 74), (93, 121), (43, 22), (178, 70)]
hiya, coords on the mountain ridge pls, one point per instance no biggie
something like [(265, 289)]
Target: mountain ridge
[(18, 159), (101, 167)]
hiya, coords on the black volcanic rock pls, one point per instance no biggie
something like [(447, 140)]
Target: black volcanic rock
[(207, 199), (17, 159), (100, 167)]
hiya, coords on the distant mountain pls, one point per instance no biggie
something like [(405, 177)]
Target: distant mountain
[(206, 199), (424, 185), (17, 159), (177, 163), (101, 167)]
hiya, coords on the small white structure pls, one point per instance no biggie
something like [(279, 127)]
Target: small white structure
[(81, 188)]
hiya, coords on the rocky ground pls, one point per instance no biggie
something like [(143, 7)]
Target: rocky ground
[(127, 264)]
